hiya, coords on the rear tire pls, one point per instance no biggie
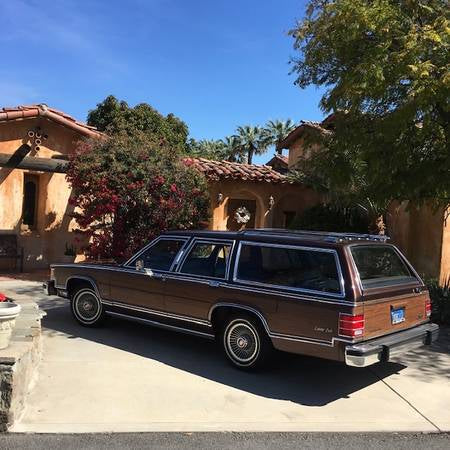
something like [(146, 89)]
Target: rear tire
[(245, 343), (86, 306)]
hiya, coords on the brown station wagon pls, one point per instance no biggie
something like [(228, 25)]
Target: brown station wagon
[(346, 297)]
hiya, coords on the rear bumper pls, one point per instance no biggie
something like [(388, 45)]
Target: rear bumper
[(383, 348), (49, 287)]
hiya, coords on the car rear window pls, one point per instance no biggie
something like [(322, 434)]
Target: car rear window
[(290, 267), (380, 266)]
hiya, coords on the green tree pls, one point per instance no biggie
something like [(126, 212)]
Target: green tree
[(128, 189), (251, 141), (277, 130), (385, 67), (205, 148), (113, 116)]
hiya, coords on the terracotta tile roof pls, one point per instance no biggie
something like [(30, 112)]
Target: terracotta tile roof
[(304, 126), (42, 110), (226, 170), (278, 158)]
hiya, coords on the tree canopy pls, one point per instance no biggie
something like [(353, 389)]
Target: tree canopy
[(114, 116), (128, 189), (277, 130), (385, 67)]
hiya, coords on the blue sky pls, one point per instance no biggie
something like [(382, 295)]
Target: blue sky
[(215, 64)]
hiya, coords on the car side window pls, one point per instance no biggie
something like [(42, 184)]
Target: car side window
[(207, 259), (161, 255), (289, 267)]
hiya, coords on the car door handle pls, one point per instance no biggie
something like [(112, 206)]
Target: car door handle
[(214, 284), (158, 276)]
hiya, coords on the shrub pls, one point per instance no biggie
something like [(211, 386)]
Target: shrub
[(331, 217), (440, 300), (128, 189)]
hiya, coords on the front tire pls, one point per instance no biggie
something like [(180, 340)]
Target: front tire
[(245, 343), (87, 307)]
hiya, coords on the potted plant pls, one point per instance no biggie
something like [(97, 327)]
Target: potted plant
[(8, 313)]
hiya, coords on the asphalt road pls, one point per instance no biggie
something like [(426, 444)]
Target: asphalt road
[(234, 441)]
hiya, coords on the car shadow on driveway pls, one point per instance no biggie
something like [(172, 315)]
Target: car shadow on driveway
[(304, 380)]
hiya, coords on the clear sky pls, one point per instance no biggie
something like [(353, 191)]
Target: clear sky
[(216, 64)]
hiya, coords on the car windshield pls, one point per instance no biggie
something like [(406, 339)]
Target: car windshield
[(380, 266)]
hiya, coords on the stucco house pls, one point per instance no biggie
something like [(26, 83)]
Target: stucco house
[(35, 142), (422, 233), (35, 214)]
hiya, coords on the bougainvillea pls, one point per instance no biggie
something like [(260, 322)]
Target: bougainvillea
[(127, 190)]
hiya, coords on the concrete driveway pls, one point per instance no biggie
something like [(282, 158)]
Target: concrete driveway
[(130, 377)]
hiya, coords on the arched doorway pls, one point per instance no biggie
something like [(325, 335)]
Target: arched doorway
[(244, 209)]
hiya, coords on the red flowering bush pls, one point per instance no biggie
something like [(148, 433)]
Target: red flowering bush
[(127, 190)]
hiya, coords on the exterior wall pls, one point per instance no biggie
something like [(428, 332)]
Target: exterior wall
[(287, 197), (418, 232), (299, 149), (46, 242), (444, 275)]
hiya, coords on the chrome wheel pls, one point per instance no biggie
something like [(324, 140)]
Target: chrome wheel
[(86, 306), (242, 342)]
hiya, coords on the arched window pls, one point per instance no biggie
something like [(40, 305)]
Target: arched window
[(30, 196)]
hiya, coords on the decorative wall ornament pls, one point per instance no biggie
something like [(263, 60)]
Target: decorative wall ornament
[(242, 215), (271, 202), (36, 137), (219, 198)]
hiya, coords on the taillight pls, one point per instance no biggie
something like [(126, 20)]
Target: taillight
[(351, 326), (428, 307)]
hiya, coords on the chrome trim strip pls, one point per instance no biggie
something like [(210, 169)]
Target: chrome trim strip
[(288, 294), (189, 319), (196, 241), (162, 325), (286, 288)]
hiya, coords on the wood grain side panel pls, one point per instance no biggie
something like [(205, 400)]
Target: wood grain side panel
[(378, 314)]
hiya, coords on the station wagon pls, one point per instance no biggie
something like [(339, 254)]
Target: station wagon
[(346, 297)]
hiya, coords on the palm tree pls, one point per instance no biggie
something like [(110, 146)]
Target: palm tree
[(231, 149), (277, 130), (251, 141)]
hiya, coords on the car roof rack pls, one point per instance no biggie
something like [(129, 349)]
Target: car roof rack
[(325, 235)]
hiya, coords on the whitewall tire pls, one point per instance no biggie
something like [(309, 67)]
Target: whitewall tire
[(87, 307), (245, 343)]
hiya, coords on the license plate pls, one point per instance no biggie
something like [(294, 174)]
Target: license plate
[(397, 315)]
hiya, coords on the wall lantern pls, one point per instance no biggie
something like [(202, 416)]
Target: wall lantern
[(271, 202), (219, 198)]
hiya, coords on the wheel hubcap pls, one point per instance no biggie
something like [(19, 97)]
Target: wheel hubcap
[(87, 305), (242, 342)]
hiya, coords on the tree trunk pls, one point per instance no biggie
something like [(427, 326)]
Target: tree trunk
[(377, 225), (250, 155)]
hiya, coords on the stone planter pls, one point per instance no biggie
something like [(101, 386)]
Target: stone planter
[(8, 313)]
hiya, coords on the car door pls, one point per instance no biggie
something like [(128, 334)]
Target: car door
[(197, 282), (145, 289)]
